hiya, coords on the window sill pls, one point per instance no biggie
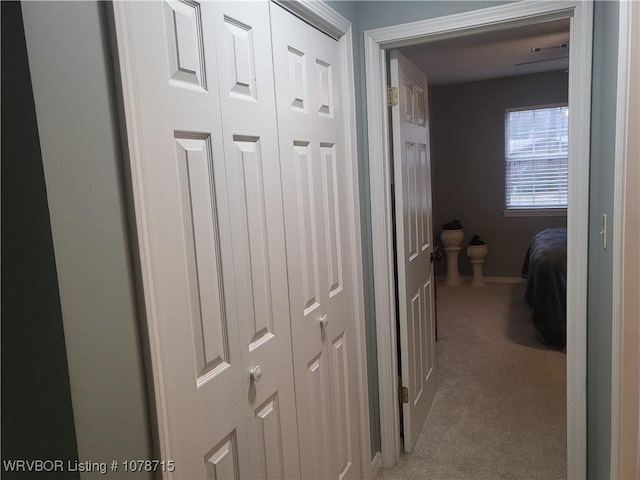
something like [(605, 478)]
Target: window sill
[(535, 212)]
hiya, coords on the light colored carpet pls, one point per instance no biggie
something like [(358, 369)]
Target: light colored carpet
[(500, 410)]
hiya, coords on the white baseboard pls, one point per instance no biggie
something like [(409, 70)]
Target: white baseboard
[(489, 279), (376, 465)]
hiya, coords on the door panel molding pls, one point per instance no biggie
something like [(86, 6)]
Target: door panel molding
[(376, 42)]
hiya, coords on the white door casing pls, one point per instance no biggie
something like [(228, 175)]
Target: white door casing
[(625, 371), (412, 172), (313, 147), (207, 190)]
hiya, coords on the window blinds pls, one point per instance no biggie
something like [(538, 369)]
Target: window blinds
[(536, 151)]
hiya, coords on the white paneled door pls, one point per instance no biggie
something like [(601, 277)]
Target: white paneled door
[(412, 167), (217, 284), (314, 175), (245, 86), (240, 200)]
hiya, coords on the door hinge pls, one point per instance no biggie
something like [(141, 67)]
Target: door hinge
[(404, 394), (392, 96)]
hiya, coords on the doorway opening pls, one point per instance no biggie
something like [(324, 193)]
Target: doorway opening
[(474, 83), (491, 19)]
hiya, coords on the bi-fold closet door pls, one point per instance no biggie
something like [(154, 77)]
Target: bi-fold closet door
[(239, 193), (312, 135)]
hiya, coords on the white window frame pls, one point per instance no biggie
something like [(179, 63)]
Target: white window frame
[(542, 211)]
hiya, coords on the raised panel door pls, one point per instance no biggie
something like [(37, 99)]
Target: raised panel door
[(250, 137), (412, 171), (312, 137), (199, 95)]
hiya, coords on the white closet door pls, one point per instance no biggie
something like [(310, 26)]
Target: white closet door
[(312, 148), (247, 95), (199, 96)]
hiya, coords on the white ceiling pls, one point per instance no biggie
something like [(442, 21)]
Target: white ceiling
[(497, 54)]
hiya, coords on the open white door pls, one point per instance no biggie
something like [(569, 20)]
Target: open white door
[(412, 170)]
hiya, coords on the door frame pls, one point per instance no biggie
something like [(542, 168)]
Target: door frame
[(327, 20), (376, 42), (625, 409)]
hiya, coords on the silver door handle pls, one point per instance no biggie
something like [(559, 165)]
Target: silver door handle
[(256, 373), (324, 321)]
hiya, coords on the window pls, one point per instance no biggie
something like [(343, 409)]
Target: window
[(536, 146)]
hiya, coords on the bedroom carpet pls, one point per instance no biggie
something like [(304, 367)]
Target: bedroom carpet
[(500, 410)]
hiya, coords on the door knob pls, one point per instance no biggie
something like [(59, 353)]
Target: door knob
[(256, 373), (324, 321)]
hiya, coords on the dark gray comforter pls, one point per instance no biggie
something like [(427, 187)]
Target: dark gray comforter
[(545, 268)]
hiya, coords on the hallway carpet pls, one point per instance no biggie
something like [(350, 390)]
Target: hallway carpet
[(500, 410)]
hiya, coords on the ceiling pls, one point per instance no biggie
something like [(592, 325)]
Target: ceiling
[(503, 53)]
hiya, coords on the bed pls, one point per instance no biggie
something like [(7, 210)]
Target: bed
[(545, 268)]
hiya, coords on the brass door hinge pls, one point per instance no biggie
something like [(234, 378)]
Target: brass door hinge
[(404, 395), (392, 96)]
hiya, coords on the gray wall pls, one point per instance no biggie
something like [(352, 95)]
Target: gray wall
[(37, 416), (599, 333), (73, 91), (468, 167)]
